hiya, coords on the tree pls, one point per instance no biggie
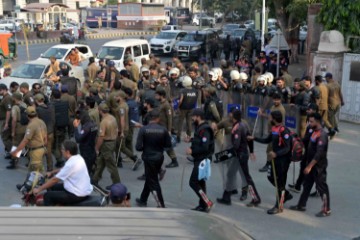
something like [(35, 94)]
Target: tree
[(341, 15), (290, 14)]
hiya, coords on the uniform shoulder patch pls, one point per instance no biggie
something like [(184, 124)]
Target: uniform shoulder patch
[(204, 139), (286, 136)]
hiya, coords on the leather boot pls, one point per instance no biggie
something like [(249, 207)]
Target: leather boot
[(244, 192), (12, 164), (226, 198)]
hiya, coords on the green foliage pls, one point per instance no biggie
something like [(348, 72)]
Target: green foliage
[(341, 15)]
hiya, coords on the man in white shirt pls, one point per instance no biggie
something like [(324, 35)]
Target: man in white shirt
[(75, 186)]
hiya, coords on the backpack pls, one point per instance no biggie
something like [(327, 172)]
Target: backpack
[(24, 120), (296, 147)]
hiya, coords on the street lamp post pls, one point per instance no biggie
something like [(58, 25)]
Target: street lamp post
[(200, 19), (263, 26)]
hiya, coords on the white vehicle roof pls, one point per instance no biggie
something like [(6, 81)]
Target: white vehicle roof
[(173, 31), (41, 61), (132, 41), (69, 46)]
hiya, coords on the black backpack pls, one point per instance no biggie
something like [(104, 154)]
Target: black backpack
[(24, 120), (61, 113)]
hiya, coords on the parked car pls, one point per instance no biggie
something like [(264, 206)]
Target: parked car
[(238, 33), (206, 20), (61, 51), (34, 72), (249, 23), (170, 28), (228, 29), (193, 45), (164, 42)]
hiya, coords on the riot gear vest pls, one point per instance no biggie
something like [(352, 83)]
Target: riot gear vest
[(189, 98)]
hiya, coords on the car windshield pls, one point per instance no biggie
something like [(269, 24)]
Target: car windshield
[(239, 33), (193, 37), (112, 53), (58, 53), (166, 35), (31, 71)]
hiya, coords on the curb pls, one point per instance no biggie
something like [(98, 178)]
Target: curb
[(91, 36)]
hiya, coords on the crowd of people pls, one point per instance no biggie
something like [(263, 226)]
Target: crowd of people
[(104, 114)]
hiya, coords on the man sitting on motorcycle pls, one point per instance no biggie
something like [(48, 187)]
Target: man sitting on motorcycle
[(76, 185)]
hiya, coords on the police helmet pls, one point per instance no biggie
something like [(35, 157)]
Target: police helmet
[(174, 71), (187, 81), (234, 75), (218, 71), (213, 76), (144, 69), (261, 78), (269, 77), (243, 76)]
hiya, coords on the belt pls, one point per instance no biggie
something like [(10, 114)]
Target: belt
[(109, 140), (35, 148)]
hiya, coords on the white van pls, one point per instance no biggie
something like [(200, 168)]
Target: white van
[(116, 51)]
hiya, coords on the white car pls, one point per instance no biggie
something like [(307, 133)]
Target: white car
[(197, 16), (34, 72), (164, 42), (61, 51)]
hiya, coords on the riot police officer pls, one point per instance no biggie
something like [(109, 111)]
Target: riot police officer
[(152, 140)]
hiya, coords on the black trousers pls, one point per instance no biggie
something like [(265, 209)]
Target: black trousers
[(319, 177), (301, 176), (197, 184), (244, 160), (89, 156), (57, 195), (152, 184), (281, 169)]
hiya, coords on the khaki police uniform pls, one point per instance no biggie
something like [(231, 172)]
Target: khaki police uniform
[(323, 104), (109, 131), (72, 108), (35, 134), (127, 83), (94, 115), (19, 128), (166, 121), (134, 72), (28, 99), (126, 146), (5, 106), (334, 101), (92, 72)]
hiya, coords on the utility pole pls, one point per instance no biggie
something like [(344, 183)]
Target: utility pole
[(263, 26), (201, 10)]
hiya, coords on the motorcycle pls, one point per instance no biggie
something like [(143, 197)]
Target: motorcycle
[(36, 179)]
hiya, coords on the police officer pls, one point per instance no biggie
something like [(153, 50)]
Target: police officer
[(5, 118), (335, 99), (85, 135), (47, 114), (61, 109), (152, 140), (66, 97), (315, 170), (283, 90), (312, 91), (302, 101), (27, 95), (166, 121), (187, 102), (35, 139), (126, 82), (324, 104), (17, 127), (239, 135), (92, 110), (202, 147), (105, 146), (280, 154)]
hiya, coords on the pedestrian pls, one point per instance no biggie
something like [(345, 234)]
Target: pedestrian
[(119, 195), (85, 135), (18, 127), (27, 94), (105, 146), (35, 139), (280, 155), (5, 119), (100, 22), (92, 110), (47, 114), (202, 147), (315, 170), (166, 121), (187, 102), (152, 140)]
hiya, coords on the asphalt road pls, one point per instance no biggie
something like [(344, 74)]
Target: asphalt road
[(343, 180)]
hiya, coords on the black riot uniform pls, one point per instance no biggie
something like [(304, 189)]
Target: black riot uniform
[(152, 141), (86, 137), (240, 143), (202, 147), (314, 94), (316, 149), (280, 139), (190, 97)]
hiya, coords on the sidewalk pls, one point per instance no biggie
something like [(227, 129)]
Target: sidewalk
[(97, 34)]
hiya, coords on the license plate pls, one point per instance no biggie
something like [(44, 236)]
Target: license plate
[(155, 48)]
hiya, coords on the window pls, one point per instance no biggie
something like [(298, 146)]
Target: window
[(137, 51), (83, 50), (145, 49)]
